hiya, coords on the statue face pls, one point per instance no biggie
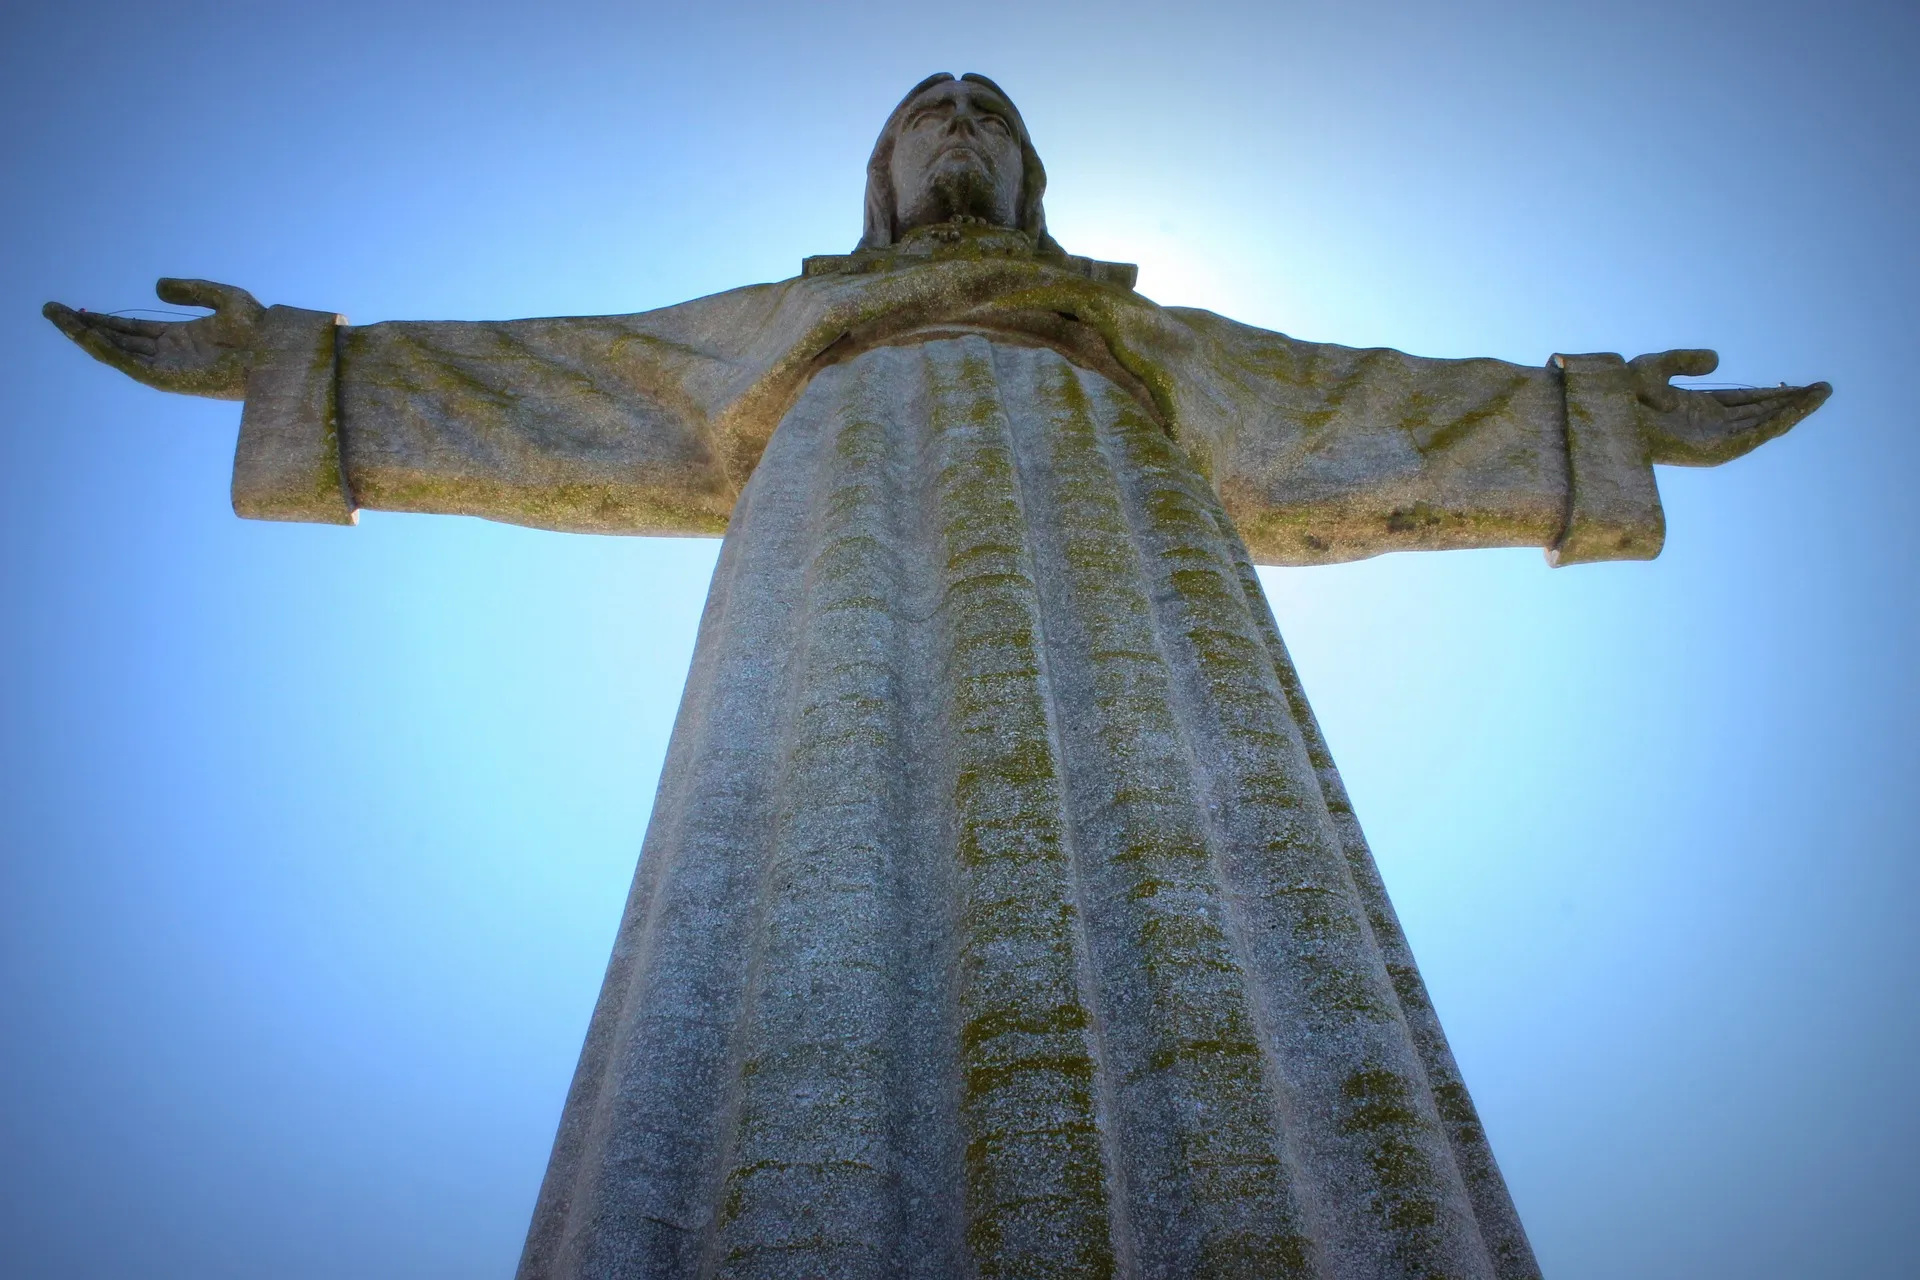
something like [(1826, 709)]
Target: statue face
[(956, 154)]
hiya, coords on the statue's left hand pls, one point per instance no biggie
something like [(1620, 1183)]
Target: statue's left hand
[(1704, 428), (205, 357)]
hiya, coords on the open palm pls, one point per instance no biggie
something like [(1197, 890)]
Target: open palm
[(1690, 428), (205, 357)]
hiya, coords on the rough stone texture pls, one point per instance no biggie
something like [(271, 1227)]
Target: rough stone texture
[(1002, 912), (287, 465), (651, 423)]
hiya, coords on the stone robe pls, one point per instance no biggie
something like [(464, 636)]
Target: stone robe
[(1001, 912)]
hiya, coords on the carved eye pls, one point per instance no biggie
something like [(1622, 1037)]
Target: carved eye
[(995, 124)]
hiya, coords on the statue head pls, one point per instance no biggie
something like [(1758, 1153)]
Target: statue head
[(954, 149)]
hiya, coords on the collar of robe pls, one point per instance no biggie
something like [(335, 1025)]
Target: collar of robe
[(965, 239)]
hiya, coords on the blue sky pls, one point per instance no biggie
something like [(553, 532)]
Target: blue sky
[(314, 839)]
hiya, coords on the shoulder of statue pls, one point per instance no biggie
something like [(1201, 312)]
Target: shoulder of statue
[(965, 241)]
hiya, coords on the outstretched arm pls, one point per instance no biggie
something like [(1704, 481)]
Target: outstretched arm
[(593, 424), (1331, 453)]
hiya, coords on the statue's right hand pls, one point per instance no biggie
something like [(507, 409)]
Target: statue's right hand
[(205, 357)]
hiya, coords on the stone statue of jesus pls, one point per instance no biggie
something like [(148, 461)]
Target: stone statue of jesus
[(1002, 913)]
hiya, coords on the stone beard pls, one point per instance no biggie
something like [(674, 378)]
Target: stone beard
[(1002, 912), (962, 192)]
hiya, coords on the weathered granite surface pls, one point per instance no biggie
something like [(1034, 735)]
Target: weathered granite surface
[(1001, 912)]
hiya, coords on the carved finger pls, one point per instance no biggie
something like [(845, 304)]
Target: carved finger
[(1801, 401), (1651, 372), (1688, 362), (105, 344), (64, 318), (1742, 420), (1765, 419), (135, 343), (124, 324), (1719, 426), (206, 293), (84, 327), (137, 336), (1772, 395)]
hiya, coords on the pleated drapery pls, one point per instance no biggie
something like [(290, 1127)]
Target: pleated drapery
[(1001, 912)]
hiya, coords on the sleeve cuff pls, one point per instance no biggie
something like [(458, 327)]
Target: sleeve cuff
[(287, 465), (1613, 506)]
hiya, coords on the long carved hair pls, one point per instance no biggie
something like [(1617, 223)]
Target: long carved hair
[(880, 229)]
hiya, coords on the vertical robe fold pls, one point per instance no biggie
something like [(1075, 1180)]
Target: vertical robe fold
[(1001, 911)]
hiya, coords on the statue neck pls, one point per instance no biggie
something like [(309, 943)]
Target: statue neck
[(965, 239)]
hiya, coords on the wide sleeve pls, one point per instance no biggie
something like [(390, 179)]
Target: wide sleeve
[(1324, 453), (587, 424)]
